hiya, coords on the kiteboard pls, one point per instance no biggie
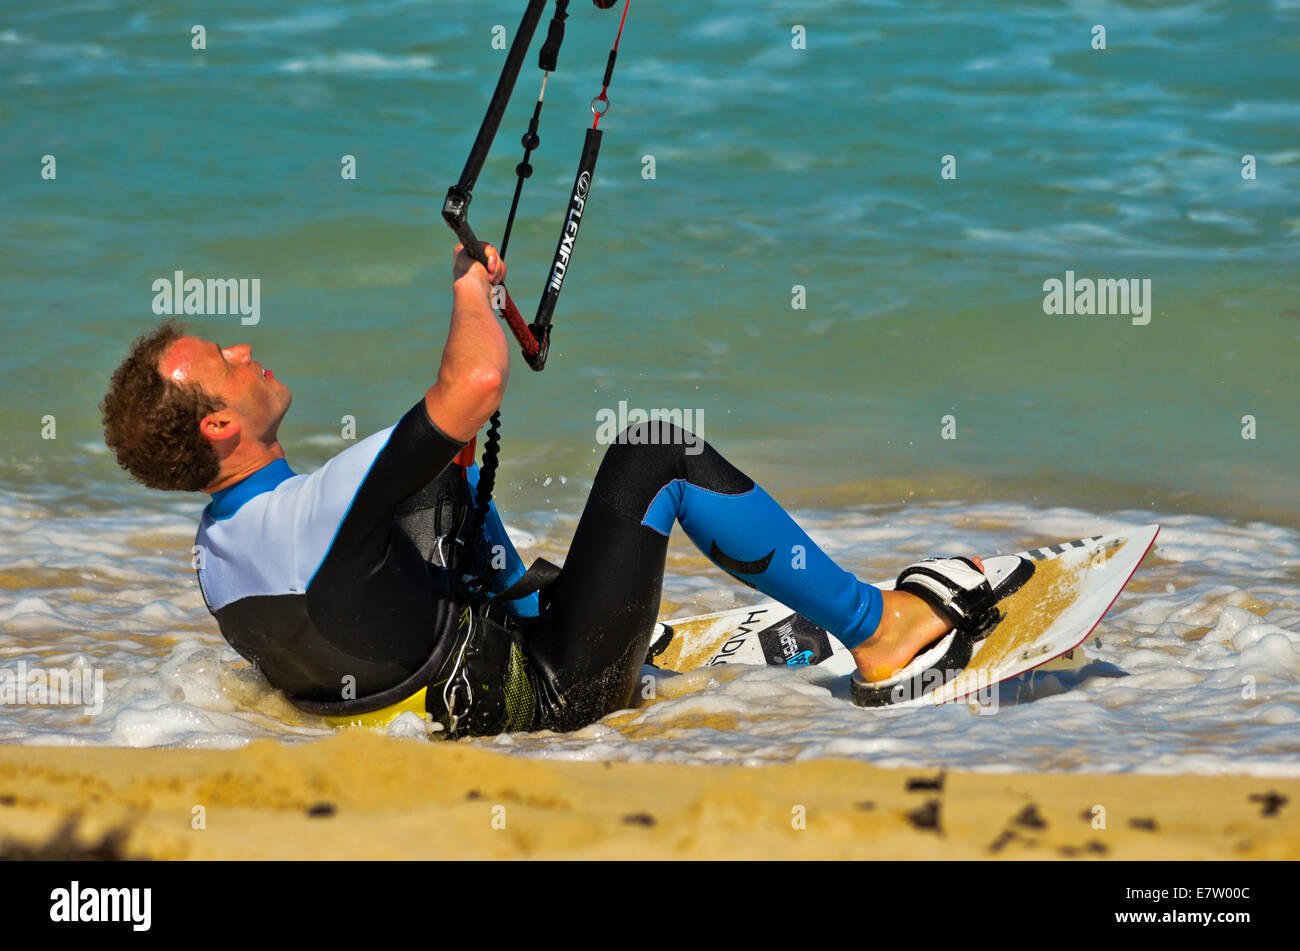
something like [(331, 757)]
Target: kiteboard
[(1073, 585)]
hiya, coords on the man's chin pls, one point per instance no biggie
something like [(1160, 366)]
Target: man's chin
[(287, 401)]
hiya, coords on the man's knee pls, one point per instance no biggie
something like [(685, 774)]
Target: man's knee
[(659, 433), (655, 452), (647, 452)]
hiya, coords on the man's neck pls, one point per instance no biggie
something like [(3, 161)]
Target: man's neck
[(237, 470)]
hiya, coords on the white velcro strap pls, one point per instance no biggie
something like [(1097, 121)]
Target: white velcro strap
[(951, 581)]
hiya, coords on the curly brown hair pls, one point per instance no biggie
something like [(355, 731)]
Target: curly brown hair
[(152, 424)]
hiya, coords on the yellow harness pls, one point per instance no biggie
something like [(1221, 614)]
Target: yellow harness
[(381, 718)]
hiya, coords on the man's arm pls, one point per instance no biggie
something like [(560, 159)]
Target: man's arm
[(476, 360)]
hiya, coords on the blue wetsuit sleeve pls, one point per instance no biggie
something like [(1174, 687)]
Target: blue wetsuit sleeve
[(499, 541)]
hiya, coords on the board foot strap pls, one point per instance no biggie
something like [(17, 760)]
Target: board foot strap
[(954, 653)]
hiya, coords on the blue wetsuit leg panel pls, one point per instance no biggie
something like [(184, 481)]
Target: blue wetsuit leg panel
[(748, 535)]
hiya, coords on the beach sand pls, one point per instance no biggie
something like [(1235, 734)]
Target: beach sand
[(361, 795)]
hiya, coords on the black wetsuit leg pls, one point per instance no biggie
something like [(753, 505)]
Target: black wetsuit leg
[(598, 616)]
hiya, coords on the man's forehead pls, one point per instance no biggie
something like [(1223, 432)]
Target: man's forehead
[(184, 356)]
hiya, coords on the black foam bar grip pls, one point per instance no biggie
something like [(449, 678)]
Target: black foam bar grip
[(550, 53), (569, 229), (501, 96), (609, 67)]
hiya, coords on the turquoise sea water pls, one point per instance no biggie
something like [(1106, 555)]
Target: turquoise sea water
[(774, 167)]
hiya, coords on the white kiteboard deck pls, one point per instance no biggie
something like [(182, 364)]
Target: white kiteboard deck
[(1073, 585)]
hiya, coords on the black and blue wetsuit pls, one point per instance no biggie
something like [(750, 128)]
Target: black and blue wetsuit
[(308, 579), (343, 579)]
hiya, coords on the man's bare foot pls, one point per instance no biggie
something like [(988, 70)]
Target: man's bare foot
[(908, 626)]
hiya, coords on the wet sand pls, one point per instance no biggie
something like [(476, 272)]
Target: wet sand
[(360, 795)]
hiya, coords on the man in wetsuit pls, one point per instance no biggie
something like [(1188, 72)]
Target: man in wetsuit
[(354, 587)]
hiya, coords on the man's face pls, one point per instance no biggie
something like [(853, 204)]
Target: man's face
[(254, 399)]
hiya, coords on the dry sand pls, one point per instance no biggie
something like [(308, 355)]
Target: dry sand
[(366, 796)]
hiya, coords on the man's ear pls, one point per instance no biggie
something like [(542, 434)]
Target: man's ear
[(219, 427)]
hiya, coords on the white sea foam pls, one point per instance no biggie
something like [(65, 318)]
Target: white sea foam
[(1195, 669), (361, 62)]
